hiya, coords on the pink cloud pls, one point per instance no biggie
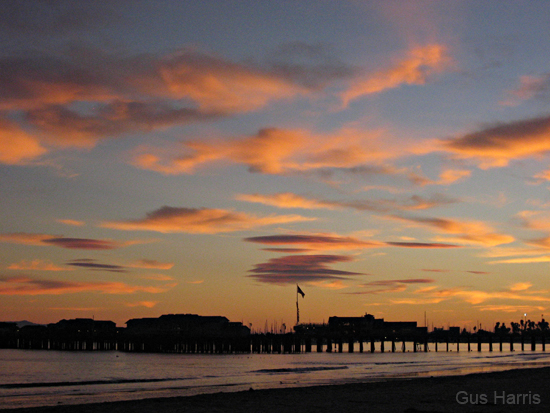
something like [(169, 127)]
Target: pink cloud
[(300, 268)]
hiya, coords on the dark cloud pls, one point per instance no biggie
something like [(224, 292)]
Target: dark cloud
[(83, 243), (287, 250), (497, 145), (112, 119), (422, 245), (60, 241), (300, 268), (312, 65), (94, 265), (478, 272), (315, 241), (321, 241), (39, 18)]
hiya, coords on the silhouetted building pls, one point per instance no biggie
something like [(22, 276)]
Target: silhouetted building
[(187, 325), (369, 324), (85, 326)]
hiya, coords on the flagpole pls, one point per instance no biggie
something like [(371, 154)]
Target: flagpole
[(297, 308)]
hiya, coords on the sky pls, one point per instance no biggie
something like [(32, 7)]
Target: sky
[(206, 157)]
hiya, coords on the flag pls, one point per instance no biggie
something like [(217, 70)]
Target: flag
[(300, 291)]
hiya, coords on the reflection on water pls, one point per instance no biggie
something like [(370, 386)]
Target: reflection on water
[(33, 378)]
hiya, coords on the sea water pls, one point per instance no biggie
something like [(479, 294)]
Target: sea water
[(37, 378)]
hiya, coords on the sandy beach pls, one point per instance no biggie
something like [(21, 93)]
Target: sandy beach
[(518, 390)]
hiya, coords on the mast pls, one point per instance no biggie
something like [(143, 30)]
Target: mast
[(297, 307)]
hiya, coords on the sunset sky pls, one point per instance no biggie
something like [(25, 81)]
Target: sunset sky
[(390, 157)]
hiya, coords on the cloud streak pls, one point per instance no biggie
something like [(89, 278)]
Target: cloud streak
[(496, 146), (336, 242), (199, 221), (469, 232), (289, 200), (63, 242), (270, 151), (23, 285), (390, 286), (415, 69)]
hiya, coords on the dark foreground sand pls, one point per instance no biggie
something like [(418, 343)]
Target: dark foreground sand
[(525, 390)]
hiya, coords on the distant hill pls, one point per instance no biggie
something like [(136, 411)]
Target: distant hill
[(25, 323)]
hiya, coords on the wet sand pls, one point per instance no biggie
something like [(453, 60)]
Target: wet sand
[(522, 390)]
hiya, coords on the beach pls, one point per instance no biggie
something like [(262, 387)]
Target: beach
[(517, 390)]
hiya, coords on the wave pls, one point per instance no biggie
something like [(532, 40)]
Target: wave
[(85, 383), (300, 369)]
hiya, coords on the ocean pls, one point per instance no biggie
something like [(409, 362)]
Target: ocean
[(31, 378)]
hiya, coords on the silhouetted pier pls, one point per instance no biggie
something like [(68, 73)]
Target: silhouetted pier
[(193, 334)]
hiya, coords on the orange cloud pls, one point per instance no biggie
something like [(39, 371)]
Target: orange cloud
[(474, 232), (217, 84), (129, 95), (16, 146), (496, 146), (543, 176), (285, 200), (290, 200), (270, 151), (71, 222), (391, 286), (525, 260), (510, 308), (151, 264), (477, 296), (450, 176), (30, 286), (329, 285), (199, 221), (38, 265), (147, 304), (157, 277), (414, 69)]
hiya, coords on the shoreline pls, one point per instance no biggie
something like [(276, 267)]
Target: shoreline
[(514, 390)]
